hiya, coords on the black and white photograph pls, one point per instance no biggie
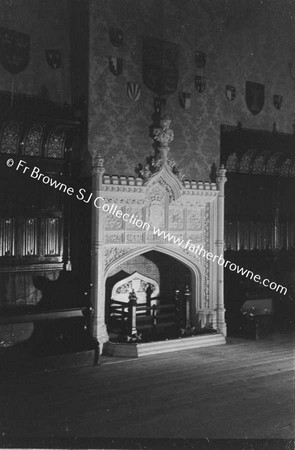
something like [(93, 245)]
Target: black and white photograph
[(147, 224)]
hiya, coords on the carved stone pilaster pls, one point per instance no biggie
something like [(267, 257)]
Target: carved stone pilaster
[(97, 254), (221, 179)]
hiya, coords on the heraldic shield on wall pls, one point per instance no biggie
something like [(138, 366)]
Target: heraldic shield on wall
[(53, 58), (160, 65), (133, 91), (14, 50), (277, 101), (115, 65), (254, 97), (230, 92), (116, 37), (185, 100), (200, 59)]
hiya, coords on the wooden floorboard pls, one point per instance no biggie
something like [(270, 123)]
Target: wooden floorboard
[(240, 390)]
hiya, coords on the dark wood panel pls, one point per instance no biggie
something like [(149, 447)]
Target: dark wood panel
[(41, 316)]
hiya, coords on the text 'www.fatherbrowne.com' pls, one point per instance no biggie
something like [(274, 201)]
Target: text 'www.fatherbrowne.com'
[(200, 251)]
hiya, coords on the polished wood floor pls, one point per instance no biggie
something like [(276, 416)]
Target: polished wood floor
[(239, 390)]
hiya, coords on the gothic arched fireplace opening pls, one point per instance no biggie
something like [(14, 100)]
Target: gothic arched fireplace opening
[(162, 285)]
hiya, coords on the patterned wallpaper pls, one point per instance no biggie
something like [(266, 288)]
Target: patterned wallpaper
[(243, 40), (47, 23)]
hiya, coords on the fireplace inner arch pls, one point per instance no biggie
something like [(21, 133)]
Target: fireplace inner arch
[(169, 278)]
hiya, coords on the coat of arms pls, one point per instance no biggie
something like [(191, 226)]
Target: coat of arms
[(116, 37), (158, 104), (230, 92), (115, 65), (133, 91), (160, 66), (277, 101), (53, 57), (200, 83), (200, 59), (254, 97), (185, 100), (14, 50)]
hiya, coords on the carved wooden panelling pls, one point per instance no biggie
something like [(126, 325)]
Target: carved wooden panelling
[(7, 245), (30, 234), (246, 161), (232, 163), (285, 168), (52, 236), (10, 136), (49, 198), (292, 170), (33, 140), (259, 163), (55, 144), (271, 163)]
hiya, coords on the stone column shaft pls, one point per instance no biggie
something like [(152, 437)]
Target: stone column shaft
[(99, 330), (221, 179)]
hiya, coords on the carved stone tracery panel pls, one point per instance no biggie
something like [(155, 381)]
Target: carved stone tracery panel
[(176, 218)]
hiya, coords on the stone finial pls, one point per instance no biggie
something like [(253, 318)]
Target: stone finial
[(164, 136), (98, 165), (98, 161), (221, 179), (221, 172)]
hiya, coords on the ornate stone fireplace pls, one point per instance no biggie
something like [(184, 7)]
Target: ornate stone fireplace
[(128, 217)]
